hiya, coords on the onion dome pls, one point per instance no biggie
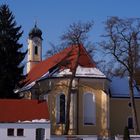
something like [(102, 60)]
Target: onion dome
[(35, 32)]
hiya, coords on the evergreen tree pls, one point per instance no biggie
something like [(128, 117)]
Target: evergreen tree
[(11, 70)]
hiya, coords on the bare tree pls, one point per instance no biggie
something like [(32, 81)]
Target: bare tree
[(54, 49), (122, 41), (75, 35)]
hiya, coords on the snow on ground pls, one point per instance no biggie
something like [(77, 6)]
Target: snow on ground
[(76, 137)]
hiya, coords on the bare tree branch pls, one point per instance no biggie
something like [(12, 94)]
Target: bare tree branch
[(123, 42)]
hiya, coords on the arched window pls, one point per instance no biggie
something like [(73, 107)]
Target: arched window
[(60, 106), (36, 50), (89, 109)]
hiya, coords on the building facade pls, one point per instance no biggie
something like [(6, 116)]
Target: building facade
[(97, 105), (25, 131), (120, 106), (89, 104), (24, 120)]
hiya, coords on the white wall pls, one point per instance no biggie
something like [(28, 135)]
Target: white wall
[(29, 130)]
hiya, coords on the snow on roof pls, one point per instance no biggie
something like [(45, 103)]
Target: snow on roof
[(36, 120), (120, 87), (13, 110), (89, 72), (25, 88), (81, 72)]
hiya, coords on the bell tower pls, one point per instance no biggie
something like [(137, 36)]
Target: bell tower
[(34, 48)]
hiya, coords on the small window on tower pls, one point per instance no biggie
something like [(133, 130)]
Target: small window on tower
[(36, 50)]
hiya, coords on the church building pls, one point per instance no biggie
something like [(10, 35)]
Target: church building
[(93, 108)]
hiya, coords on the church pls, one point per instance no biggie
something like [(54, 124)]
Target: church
[(98, 106)]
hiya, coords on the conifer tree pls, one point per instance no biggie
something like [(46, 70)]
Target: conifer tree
[(11, 70)]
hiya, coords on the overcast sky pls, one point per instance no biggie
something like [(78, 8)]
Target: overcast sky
[(54, 16)]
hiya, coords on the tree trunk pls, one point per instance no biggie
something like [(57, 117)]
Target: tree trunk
[(133, 106), (69, 93), (68, 107)]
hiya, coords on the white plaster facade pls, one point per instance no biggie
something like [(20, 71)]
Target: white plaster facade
[(29, 130)]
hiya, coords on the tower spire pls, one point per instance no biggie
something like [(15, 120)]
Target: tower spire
[(35, 23), (35, 32), (34, 47)]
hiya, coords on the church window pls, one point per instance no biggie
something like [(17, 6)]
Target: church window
[(89, 109), (130, 123), (60, 108), (36, 50)]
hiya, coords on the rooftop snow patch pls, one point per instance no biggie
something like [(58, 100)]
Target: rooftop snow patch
[(82, 72)]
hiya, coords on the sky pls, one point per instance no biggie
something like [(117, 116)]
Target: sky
[(54, 16)]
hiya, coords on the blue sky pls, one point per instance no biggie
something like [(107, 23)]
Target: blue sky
[(54, 16)]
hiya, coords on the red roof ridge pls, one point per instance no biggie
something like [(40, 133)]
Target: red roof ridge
[(88, 55), (65, 58)]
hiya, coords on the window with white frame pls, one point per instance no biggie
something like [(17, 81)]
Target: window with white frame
[(60, 108), (89, 109), (20, 132), (15, 132), (10, 132), (40, 133)]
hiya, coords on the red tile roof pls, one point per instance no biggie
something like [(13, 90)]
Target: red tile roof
[(23, 110), (65, 59)]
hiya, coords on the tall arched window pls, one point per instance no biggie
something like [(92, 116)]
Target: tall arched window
[(89, 109), (60, 108), (36, 50)]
